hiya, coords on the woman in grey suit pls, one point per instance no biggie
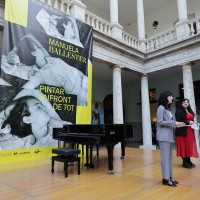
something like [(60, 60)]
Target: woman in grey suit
[(165, 126)]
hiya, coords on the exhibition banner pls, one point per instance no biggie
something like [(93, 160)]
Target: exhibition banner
[(46, 74)]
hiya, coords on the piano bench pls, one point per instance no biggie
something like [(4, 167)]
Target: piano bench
[(66, 155)]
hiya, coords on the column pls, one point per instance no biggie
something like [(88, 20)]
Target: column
[(182, 9), (114, 11), (117, 96), (117, 99), (146, 117), (188, 84), (116, 30), (189, 92), (141, 24), (182, 27), (77, 10)]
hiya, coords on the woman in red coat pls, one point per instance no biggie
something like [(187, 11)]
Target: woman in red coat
[(185, 136)]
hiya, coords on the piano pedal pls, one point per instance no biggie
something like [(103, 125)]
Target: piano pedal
[(110, 172), (89, 165), (71, 164)]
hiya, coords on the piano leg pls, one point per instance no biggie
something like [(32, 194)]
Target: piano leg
[(87, 156), (89, 163), (122, 149), (110, 148), (97, 146), (52, 165)]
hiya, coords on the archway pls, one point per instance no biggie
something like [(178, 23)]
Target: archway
[(108, 109)]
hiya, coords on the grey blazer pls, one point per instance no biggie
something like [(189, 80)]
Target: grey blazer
[(165, 125)]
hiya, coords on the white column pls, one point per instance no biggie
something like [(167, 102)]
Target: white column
[(116, 30), (146, 116), (117, 96), (140, 20), (182, 27), (77, 10), (141, 24), (114, 11), (182, 9), (188, 84), (189, 92)]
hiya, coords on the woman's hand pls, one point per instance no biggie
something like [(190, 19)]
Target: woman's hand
[(180, 124)]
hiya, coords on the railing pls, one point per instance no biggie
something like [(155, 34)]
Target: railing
[(98, 23), (170, 36), (62, 5), (130, 40), (156, 42), (161, 40), (194, 26)]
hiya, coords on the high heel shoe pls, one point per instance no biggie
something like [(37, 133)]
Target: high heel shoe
[(193, 165), (174, 181), (168, 182), (186, 165), (190, 162)]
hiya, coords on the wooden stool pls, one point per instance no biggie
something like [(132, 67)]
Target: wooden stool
[(66, 155)]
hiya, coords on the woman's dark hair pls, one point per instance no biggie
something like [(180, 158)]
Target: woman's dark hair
[(15, 118), (24, 51), (60, 27), (188, 108), (163, 99)]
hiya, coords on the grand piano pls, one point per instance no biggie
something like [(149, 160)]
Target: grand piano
[(96, 134)]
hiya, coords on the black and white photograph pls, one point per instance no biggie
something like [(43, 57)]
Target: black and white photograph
[(28, 121), (61, 27), (44, 77)]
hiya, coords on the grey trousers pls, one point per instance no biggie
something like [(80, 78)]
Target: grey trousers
[(166, 159)]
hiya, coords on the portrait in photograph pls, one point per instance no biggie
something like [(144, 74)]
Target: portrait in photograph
[(45, 79)]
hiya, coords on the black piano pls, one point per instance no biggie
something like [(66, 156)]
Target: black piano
[(96, 134)]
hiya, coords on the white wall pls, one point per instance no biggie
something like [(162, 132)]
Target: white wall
[(193, 6), (131, 98), (100, 89)]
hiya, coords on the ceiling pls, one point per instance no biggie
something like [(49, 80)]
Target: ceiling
[(127, 8), (130, 78), (102, 71), (128, 15)]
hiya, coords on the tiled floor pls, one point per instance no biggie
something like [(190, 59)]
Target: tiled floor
[(138, 144)]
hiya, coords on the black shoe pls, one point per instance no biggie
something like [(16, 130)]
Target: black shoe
[(186, 165), (193, 165), (168, 182), (190, 162), (174, 181)]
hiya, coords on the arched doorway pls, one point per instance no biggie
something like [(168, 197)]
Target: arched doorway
[(108, 109)]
